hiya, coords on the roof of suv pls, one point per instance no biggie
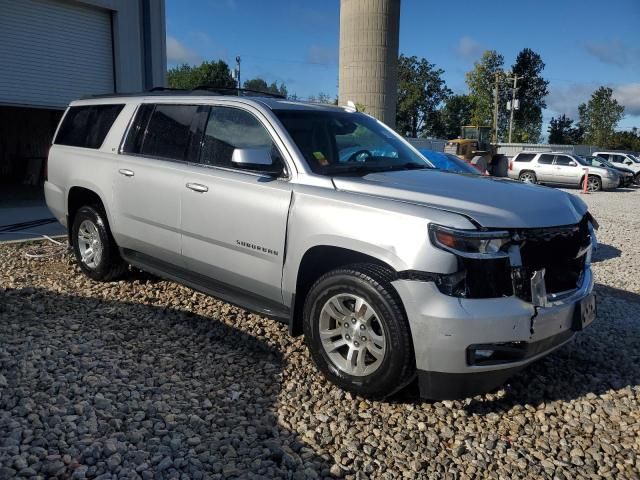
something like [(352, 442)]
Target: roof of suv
[(196, 96)]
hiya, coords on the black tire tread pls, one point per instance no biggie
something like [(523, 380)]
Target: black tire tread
[(380, 278)]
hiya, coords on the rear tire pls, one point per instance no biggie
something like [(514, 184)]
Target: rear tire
[(94, 247), (357, 332), (528, 177), (636, 178)]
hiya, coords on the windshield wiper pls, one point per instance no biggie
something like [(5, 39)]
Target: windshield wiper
[(410, 166), (364, 168)]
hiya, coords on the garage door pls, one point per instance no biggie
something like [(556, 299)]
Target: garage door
[(53, 51)]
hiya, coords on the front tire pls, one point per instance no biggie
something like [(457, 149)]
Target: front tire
[(94, 247), (594, 184), (357, 332)]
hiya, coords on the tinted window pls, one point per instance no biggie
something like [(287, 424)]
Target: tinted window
[(545, 159), (168, 131), (563, 160), (616, 158), (524, 157), (231, 128), (604, 155), (133, 143), (87, 126)]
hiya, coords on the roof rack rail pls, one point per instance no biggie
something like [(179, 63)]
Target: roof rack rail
[(199, 90), (238, 91)]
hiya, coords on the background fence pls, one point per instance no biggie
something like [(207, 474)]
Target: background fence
[(511, 149)]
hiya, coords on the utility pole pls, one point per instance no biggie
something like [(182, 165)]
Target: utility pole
[(512, 107), (238, 73), (495, 108)]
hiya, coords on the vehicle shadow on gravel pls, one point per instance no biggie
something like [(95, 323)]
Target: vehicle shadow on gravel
[(602, 358), (606, 252), (91, 387)]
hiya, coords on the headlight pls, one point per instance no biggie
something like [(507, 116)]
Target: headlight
[(611, 174), (470, 243)]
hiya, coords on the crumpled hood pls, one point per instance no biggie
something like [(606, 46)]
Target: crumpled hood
[(491, 202)]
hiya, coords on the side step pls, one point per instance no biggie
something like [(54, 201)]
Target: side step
[(227, 293)]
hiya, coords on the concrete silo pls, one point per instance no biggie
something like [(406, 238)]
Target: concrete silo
[(369, 31)]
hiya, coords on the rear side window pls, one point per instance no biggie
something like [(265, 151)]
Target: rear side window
[(162, 131), (87, 126), (603, 155), (545, 159), (524, 157)]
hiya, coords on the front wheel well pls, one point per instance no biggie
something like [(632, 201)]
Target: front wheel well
[(316, 262)]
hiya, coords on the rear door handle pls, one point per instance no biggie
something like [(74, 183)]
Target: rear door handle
[(126, 172), (197, 187)]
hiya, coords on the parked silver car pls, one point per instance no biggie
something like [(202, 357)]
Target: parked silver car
[(327, 220), (625, 160), (559, 168)]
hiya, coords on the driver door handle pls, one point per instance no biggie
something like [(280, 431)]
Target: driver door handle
[(126, 172), (197, 187)]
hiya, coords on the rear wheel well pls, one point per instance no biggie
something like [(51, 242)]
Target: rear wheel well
[(79, 197), (316, 262)]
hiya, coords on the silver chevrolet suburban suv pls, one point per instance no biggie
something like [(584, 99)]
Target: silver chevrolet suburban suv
[(326, 219)]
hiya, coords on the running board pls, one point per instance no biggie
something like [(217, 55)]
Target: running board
[(227, 293)]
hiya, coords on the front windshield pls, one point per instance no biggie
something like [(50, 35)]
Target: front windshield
[(335, 142), (634, 158)]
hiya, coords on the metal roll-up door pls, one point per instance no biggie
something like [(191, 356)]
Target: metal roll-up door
[(53, 51)]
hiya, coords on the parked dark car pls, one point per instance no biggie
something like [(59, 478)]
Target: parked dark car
[(448, 162), (626, 174)]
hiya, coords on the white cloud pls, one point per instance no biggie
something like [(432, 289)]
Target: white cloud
[(614, 52), (564, 99), (629, 96), (177, 53), (468, 48)]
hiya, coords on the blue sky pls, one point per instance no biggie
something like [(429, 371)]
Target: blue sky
[(584, 43)]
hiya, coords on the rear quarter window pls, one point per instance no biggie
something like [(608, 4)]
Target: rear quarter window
[(87, 126)]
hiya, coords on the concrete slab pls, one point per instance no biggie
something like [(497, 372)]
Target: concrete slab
[(25, 204)]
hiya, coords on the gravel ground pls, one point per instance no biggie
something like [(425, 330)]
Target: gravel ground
[(144, 378)]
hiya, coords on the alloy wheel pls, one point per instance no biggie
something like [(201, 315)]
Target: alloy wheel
[(90, 244), (352, 335)]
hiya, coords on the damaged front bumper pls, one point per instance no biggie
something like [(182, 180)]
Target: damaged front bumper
[(453, 336)]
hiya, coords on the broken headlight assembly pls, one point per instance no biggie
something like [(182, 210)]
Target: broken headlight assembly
[(470, 243), (484, 270)]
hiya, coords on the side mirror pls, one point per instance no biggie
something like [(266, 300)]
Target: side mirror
[(572, 163), (256, 159), (628, 162)]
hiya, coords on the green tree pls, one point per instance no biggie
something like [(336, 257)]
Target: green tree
[(627, 140), (421, 91), (532, 90), (260, 85), (455, 113), (481, 82), (562, 132), (599, 117), (213, 74)]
